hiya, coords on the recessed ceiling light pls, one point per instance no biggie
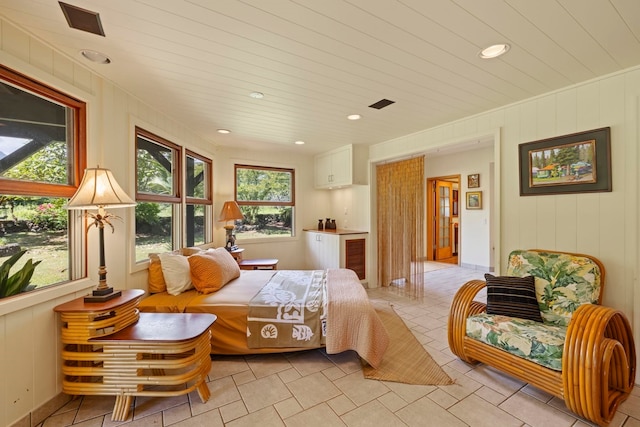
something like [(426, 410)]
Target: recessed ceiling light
[(97, 57), (354, 117), (256, 95), (224, 131), (299, 142), (494, 51)]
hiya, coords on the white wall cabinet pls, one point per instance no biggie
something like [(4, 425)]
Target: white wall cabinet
[(341, 167), (338, 249)]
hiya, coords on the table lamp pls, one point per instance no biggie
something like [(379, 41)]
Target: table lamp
[(230, 212), (99, 190)]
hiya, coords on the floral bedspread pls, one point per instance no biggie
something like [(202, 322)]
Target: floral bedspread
[(289, 311)]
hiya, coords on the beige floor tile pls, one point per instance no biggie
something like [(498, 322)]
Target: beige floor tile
[(267, 417), (631, 406), (310, 362), (224, 366), (60, 420), (359, 389), (534, 412), (176, 414), (392, 401), (632, 422), (244, 377), (463, 385), (289, 375), (370, 414), (318, 416), (263, 392), (268, 364), (206, 419), (478, 412), (333, 373), (347, 361), (341, 404), (490, 395), (146, 405), (443, 399), (313, 389), (233, 411), (223, 392), (500, 382), (94, 406), (410, 393), (424, 412), (288, 407)]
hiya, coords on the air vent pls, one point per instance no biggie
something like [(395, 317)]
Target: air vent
[(381, 104), (82, 19)]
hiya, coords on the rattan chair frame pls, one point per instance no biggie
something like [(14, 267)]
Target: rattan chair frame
[(598, 364)]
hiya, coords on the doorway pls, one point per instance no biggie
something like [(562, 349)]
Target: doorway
[(443, 226)]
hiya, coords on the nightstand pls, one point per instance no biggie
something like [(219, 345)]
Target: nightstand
[(259, 264), (237, 254)]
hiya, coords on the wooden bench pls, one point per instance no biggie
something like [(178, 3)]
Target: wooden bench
[(112, 349)]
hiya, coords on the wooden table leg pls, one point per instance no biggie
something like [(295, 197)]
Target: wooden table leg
[(121, 407)]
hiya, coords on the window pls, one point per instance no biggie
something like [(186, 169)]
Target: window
[(266, 197), (42, 159), (157, 193), (199, 196), (164, 218)]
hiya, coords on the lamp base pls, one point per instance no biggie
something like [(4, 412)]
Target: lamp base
[(102, 295)]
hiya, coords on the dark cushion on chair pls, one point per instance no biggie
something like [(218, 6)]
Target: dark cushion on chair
[(512, 296)]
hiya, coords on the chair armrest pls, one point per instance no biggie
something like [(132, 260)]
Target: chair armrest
[(599, 354), (463, 306)]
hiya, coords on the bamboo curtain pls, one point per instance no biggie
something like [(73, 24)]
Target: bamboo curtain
[(400, 206)]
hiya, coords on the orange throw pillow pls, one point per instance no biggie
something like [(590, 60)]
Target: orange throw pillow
[(212, 269), (156, 278)]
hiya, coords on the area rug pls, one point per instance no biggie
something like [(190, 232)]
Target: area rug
[(406, 360)]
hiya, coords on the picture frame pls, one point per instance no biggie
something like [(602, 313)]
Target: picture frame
[(575, 163), (473, 180), (474, 199)]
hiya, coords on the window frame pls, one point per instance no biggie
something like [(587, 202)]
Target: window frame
[(291, 203), (76, 233), (79, 144)]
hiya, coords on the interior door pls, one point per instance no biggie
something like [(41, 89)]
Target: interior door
[(442, 220)]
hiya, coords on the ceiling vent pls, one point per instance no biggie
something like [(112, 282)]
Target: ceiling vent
[(381, 104), (82, 19)]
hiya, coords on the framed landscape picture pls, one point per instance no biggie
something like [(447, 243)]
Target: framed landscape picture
[(474, 199), (575, 163)]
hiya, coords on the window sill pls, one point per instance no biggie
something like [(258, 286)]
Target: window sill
[(21, 302)]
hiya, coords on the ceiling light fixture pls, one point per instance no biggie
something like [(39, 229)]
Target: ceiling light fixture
[(97, 57), (256, 95), (494, 51), (354, 117), (225, 131), (299, 142)]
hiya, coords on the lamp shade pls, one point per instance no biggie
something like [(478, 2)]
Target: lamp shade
[(230, 212), (99, 189)]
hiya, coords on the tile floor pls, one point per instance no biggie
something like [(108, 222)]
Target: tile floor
[(315, 389)]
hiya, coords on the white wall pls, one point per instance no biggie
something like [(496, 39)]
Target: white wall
[(601, 224)]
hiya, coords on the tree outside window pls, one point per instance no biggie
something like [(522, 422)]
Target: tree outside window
[(266, 197)]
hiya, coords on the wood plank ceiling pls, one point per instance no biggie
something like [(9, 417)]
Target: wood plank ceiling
[(317, 61)]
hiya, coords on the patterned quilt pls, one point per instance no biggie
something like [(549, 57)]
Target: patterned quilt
[(289, 311)]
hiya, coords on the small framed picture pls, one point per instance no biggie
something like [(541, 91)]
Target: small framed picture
[(473, 180), (474, 199)]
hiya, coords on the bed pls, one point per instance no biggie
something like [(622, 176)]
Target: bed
[(337, 308)]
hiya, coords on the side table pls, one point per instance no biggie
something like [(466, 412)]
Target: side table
[(259, 264), (110, 348)]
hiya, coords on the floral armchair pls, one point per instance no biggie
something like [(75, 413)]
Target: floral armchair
[(575, 349)]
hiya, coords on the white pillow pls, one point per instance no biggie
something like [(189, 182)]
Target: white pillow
[(176, 272)]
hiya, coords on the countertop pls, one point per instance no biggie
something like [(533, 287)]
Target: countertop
[(338, 231)]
